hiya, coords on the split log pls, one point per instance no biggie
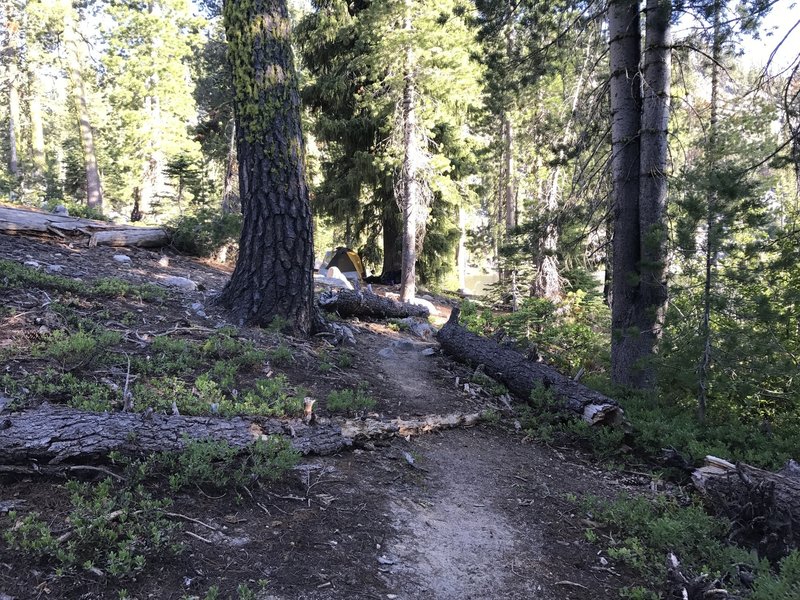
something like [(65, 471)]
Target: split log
[(52, 434), (366, 304), (763, 506), (521, 376), (24, 221)]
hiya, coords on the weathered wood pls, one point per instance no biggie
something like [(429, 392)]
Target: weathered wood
[(365, 304), (24, 221), (522, 376), (52, 434), (763, 506)]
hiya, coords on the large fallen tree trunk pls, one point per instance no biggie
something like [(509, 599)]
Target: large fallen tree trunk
[(51, 434), (522, 376), (23, 221), (366, 304), (763, 506)]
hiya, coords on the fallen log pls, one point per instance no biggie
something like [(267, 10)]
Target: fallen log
[(51, 434), (25, 221), (348, 303), (764, 507), (522, 376)]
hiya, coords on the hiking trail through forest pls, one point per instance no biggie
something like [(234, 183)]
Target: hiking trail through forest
[(475, 513)]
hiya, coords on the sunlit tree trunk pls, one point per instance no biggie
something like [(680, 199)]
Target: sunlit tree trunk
[(230, 197), (711, 221), (273, 273), (392, 240), (626, 106), (37, 126), (411, 172), (653, 180), (462, 257), (12, 77), (94, 192)]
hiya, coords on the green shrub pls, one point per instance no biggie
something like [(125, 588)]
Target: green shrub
[(350, 400), (216, 464), (268, 397), (206, 232), (79, 349), (115, 530), (781, 585), (281, 355)]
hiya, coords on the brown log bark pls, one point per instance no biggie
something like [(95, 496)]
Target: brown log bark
[(23, 221), (523, 376), (349, 303), (51, 435), (763, 506)]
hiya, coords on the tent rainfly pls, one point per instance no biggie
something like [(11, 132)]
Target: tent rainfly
[(347, 261)]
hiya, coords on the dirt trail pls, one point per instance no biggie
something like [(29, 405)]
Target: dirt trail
[(480, 514)]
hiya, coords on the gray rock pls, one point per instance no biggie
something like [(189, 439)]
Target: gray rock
[(122, 258), (387, 353), (426, 303), (427, 297), (196, 306), (422, 331), (403, 345), (333, 282), (428, 352), (183, 283), (61, 210), (32, 263), (55, 268)]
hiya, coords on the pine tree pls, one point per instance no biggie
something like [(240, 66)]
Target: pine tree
[(273, 274)]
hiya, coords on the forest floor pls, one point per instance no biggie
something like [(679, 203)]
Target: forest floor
[(470, 513)]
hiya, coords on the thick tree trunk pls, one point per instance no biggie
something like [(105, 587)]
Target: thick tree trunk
[(627, 349), (274, 271), (231, 202), (523, 377), (410, 173), (653, 181), (763, 506), (23, 221), (12, 75), (37, 127), (349, 303), (461, 256), (711, 218), (94, 192), (392, 242), (51, 435)]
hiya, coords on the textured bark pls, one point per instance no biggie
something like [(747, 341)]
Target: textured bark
[(231, 203), (349, 303), (392, 242), (461, 255), (763, 506), (56, 434), (94, 192), (653, 181), (711, 218), (410, 173), (37, 127), (523, 376), (12, 77), (626, 103), (274, 270), (24, 221)]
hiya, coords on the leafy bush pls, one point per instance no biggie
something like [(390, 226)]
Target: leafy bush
[(79, 349), (350, 400), (216, 464), (115, 530), (269, 397), (646, 531), (206, 232)]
